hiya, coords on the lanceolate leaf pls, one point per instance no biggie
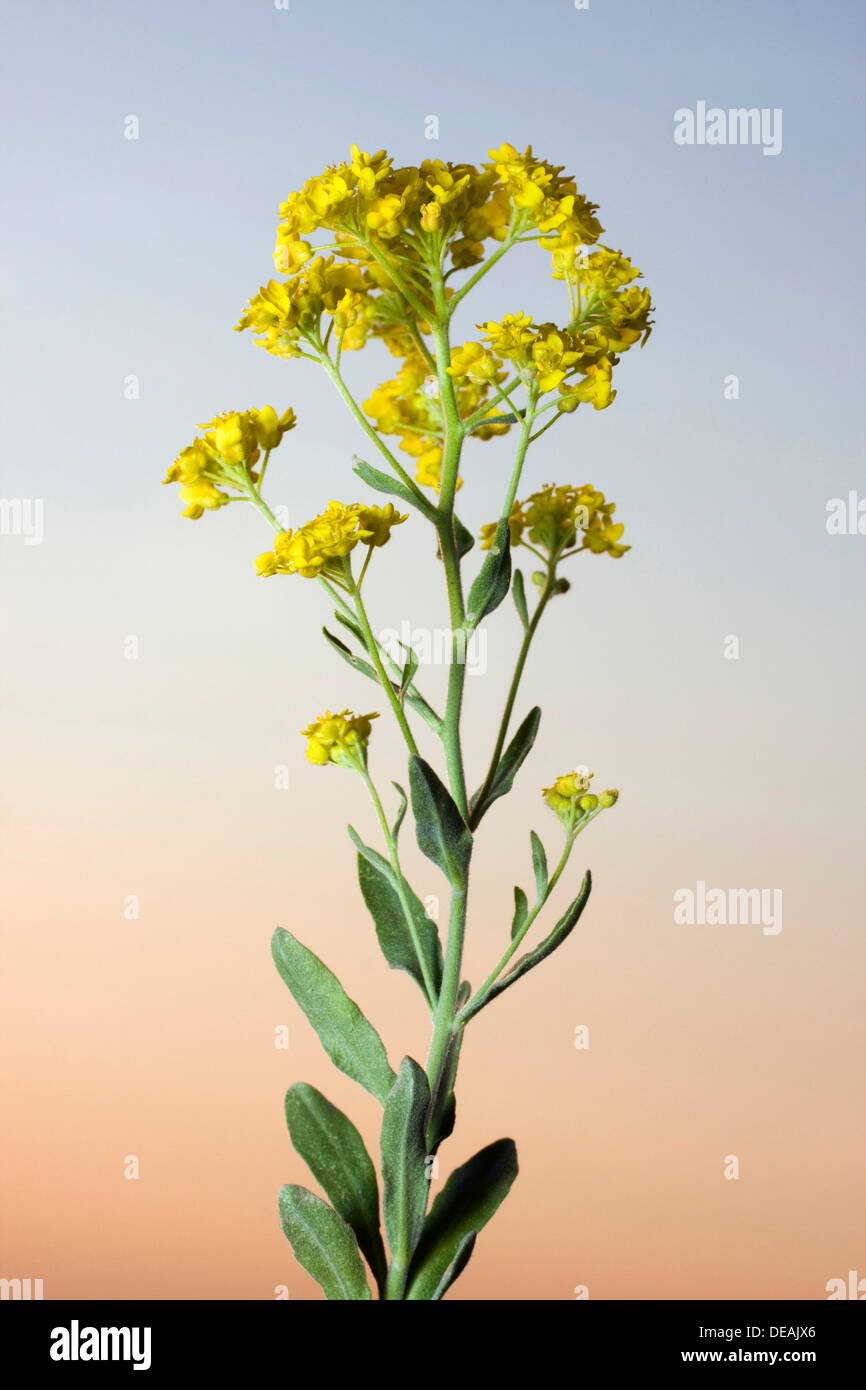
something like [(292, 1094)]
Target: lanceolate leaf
[(465, 539), (562, 929), (350, 1041), (383, 482), (408, 673), (539, 866), (521, 911), (509, 765), (443, 1102), (518, 593), (394, 933), (395, 828), (334, 1151), (323, 1244), (466, 1203), (493, 579), (456, 1267), (356, 662), (405, 1185), (441, 830)]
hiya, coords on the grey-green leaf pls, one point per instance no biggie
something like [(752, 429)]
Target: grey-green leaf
[(335, 1153), (350, 1041), (383, 482), (456, 1267), (539, 866), (442, 833), (518, 593), (356, 662), (563, 928), (395, 828), (466, 1203), (405, 1185), (492, 582), (463, 537), (323, 1244), (521, 911), (509, 765), (395, 934)]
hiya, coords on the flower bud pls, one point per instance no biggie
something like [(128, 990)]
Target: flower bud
[(609, 798), (588, 802)]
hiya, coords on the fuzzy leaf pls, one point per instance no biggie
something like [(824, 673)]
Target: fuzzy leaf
[(518, 593), (442, 833), (509, 765), (563, 928), (466, 1203), (521, 911), (393, 931), (456, 1267), (356, 662), (405, 1186), (350, 1041), (395, 828), (383, 482), (492, 582), (323, 1244), (539, 866), (464, 538), (334, 1151)]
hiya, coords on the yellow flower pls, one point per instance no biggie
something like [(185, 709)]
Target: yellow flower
[(225, 457), (378, 522), (475, 362), (564, 795), (339, 738), (317, 547), (553, 516), (511, 338)]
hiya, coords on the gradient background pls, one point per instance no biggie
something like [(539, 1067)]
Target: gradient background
[(155, 776)]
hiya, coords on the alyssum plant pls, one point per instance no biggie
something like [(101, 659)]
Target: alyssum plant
[(403, 249)]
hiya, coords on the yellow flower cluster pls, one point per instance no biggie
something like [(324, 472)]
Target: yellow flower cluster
[(226, 457), (571, 800), (339, 738), (318, 547), (552, 517), (409, 406), (368, 205)]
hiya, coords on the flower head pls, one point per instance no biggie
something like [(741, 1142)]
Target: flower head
[(225, 457), (572, 801), (339, 738)]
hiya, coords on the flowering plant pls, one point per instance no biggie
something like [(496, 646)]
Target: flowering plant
[(403, 248)]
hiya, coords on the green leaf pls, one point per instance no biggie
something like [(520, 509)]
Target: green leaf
[(442, 833), (356, 662), (493, 579), (521, 911), (539, 865), (509, 765), (334, 1151), (466, 1203), (563, 928), (372, 856), (350, 1041), (355, 628), (408, 673), (323, 1244), (392, 929), (383, 482), (443, 1104), (395, 828), (457, 1265), (518, 593), (405, 1185), (463, 537)]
